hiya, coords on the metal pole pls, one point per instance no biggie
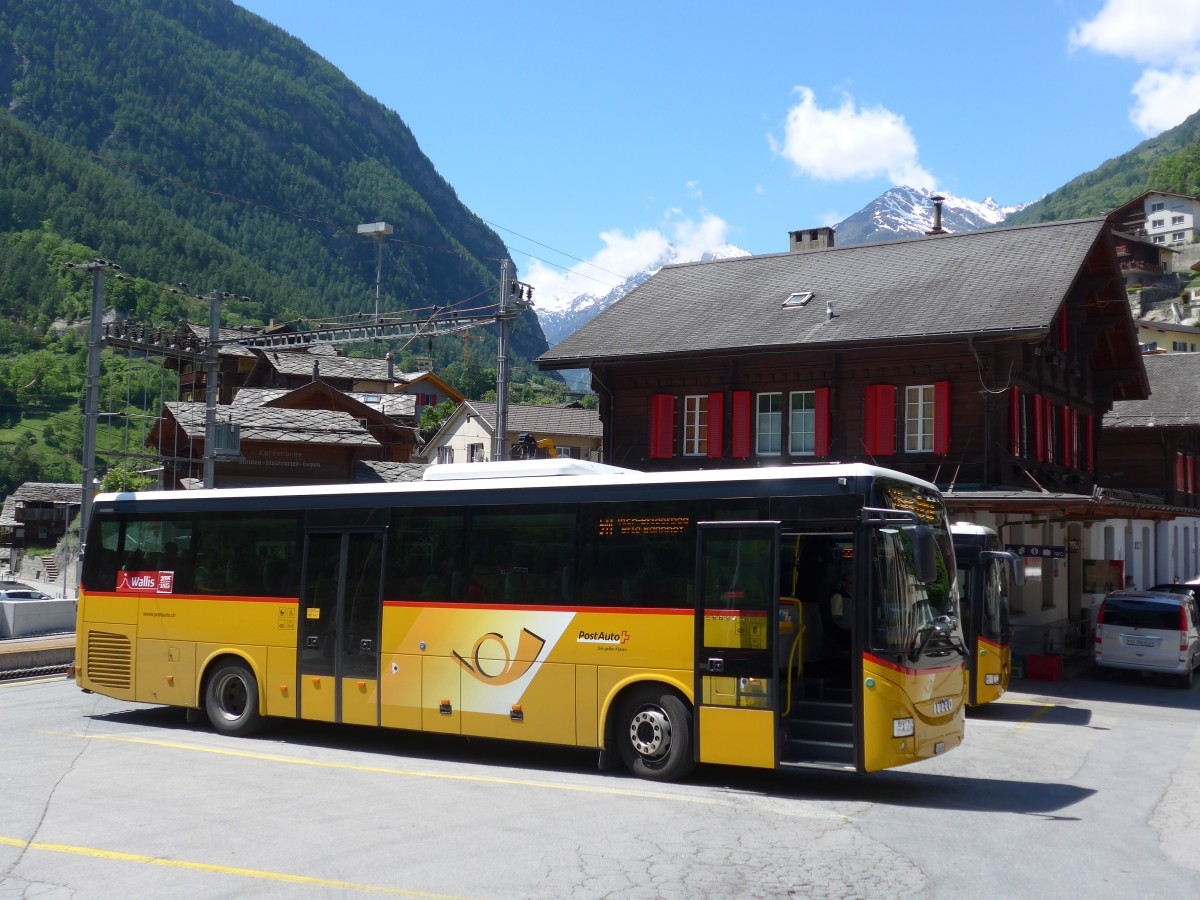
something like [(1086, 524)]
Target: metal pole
[(212, 366), (378, 272), (91, 407), (500, 440)]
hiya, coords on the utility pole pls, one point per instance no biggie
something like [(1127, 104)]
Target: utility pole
[(500, 439), (91, 410), (521, 298), (212, 368)]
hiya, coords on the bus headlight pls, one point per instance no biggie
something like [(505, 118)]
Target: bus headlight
[(902, 728)]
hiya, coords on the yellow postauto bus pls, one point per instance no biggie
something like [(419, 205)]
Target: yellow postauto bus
[(666, 619), (987, 575)]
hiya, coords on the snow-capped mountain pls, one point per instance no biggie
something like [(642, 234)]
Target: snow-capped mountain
[(908, 212), (560, 319)]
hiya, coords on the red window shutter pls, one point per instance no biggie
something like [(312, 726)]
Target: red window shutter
[(1068, 449), (662, 426), (1014, 422), (1039, 429), (1196, 474), (716, 425), (821, 422), (1091, 459), (1180, 480), (741, 425), (941, 417), (879, 425)]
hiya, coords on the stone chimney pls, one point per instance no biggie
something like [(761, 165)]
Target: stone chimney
[(391, 361), (810, 239)]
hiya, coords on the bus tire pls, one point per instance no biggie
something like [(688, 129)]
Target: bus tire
[(231, 699), (654, 734)]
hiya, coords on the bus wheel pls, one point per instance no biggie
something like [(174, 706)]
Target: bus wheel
[(231, 700), (655, 735)]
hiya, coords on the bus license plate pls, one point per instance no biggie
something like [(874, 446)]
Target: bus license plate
[(942, 706), (1140, 642)]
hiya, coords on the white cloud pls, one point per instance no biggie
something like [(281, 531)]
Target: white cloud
[(850, 142), (624, 255), (1150, 33)]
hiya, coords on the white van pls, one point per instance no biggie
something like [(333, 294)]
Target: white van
[(1146, 631)]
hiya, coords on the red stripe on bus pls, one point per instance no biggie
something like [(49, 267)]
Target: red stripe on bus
[(907, 670), (635, 610), (222, 598), (993, 644)]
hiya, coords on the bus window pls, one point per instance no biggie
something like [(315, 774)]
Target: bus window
[(524, 556), (629, 558), (426, 560)]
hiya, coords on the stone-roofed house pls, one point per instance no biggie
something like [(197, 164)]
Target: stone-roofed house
[(467, 435), (37, 514), (278, 446)]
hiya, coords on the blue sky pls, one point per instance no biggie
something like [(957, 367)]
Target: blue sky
[(599, 131)]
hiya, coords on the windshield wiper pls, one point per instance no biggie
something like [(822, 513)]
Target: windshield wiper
[(943, 627)]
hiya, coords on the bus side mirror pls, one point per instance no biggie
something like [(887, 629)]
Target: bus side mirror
[(925, 549)]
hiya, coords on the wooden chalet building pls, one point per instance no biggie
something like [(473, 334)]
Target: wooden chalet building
[(1152, 448), (983, 362)]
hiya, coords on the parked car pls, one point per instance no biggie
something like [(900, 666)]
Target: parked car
[(22, 594), (1145, 631), (1190, 590)]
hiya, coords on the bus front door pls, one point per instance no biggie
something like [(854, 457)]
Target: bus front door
[(737, 594), (339, 627)]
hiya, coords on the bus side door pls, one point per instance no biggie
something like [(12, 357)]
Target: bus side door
[(339, 626), (737, 599)]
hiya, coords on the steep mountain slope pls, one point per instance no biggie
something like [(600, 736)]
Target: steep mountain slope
[(1168, 162), (908, 212), (190, 140)]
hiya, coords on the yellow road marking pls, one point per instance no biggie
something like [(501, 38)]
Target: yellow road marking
[(411, 773), (1034, 716), (209, 867)]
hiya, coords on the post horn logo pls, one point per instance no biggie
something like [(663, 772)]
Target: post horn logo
[(529, 645)]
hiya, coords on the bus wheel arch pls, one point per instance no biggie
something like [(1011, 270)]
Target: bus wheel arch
[(651, 727), (230, 696)]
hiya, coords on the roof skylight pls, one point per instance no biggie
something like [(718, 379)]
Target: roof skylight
[(800, 298)]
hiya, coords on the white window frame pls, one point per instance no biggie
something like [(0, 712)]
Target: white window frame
[(695, 425), (1179, 236), (802, 423), (1157, 207), (768, 424), (1160, 238), (445, 455), (1157, 223), (476, 453), (918, 418), (1176, 220)]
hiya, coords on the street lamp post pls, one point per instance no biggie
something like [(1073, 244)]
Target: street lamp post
[(379, 231)]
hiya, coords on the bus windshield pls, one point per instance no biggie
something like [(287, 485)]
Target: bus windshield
[(909, 616)]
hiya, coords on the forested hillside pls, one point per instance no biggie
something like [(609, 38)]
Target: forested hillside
[(190, 141), (1169, 162)]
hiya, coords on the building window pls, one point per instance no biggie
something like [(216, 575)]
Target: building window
[(802, 423), (1160, 239), (1176, 220), (1157, 207), (1178, 236), (1157, 223), (568, 453), (445, 454), (770, 424), (475, 453), (695, 425), (918, 418)]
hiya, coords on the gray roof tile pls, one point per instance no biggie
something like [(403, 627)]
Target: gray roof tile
[(1174, 395), (997, 281), (289, 426)]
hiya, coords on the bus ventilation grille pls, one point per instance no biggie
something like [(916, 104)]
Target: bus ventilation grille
[(110, 660)]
